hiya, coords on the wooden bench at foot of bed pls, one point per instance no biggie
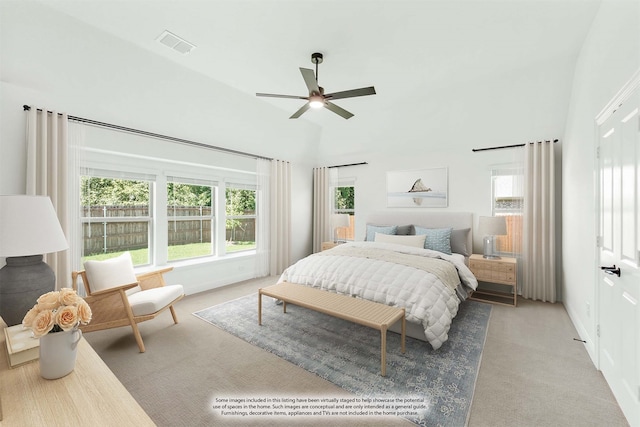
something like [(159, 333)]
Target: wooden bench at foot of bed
[(368, 313)]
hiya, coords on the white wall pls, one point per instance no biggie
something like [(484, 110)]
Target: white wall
[(440, 129), (51, 60), (609, 57)]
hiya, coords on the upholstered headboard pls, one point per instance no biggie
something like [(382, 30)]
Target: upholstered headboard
[(456, 220)]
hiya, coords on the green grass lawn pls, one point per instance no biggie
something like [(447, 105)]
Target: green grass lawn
[(141, 256)]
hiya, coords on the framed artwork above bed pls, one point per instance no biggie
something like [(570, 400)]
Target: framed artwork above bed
[(421, 188)]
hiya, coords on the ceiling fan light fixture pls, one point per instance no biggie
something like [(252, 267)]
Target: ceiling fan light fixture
[(316, 101)]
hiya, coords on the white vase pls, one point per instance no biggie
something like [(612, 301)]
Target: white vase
[(58, 353)]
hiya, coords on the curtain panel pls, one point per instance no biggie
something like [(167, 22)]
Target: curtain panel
[(263, 210), (539, 255), (48, 174), (322, 207), (280, 230), (274, 217)]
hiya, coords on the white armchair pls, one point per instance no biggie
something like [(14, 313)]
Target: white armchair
[(118, 297)]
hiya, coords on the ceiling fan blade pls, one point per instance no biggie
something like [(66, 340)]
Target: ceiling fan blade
[(271, 95), (298, 113), (338, 110), (310, 80), (352, 93)]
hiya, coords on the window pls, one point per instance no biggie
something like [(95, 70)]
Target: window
[(190, 218), (508, 201), (115, 217), (344, 203), (240, 218), (163, 202)]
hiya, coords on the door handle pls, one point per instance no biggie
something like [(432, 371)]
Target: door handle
[(611, 270)]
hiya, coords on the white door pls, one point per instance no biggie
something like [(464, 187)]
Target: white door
[(619, 294)]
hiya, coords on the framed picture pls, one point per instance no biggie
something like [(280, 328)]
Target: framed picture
[(422, 188)]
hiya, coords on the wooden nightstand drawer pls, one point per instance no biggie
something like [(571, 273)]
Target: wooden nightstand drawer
[(499, 271), (503, 276), (503, 268)]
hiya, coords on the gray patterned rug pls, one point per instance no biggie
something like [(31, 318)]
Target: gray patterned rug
[(348, 355)]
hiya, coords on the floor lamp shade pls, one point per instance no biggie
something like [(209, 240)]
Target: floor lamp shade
[(489, 227), (29, 228)]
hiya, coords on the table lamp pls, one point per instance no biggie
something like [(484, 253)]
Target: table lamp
[(489, 227), (339, 221), (29, 228)]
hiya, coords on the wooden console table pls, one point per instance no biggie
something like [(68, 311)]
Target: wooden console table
[(90, 395)]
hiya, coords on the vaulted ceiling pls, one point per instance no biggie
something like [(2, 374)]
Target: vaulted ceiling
[(404, 48)]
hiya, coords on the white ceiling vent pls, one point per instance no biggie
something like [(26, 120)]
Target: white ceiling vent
[(176, 43)]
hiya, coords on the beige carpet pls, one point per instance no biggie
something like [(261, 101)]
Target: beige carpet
[(532, 374)]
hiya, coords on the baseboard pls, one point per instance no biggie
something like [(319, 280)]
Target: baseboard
[(207, 286), (589, 344)]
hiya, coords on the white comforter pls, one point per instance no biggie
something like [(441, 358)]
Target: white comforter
[(427, 300)]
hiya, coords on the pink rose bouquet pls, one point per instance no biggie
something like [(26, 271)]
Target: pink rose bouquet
[(57, 311)]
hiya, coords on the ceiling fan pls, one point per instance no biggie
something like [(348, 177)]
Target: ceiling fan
[(317, 98)]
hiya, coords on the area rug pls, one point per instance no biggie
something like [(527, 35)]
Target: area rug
[(348, 355)]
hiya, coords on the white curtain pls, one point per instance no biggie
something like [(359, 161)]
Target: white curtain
[(48, 174), (280, 230), (322, 207), (263, 210), (539, 265)]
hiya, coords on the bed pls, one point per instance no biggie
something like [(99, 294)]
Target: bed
[(392, 266)]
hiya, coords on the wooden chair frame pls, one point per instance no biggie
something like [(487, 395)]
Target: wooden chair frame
[(110, 307)]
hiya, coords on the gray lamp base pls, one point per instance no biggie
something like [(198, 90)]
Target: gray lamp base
[(22, 281)]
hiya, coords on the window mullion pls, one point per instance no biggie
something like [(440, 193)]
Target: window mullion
[(160, 227), (221, 222)]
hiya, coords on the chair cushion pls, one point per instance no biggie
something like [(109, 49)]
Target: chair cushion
[(110, 273), (151, 300)]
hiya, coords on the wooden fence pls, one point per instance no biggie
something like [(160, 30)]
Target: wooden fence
[(102, 234), (512, 242)]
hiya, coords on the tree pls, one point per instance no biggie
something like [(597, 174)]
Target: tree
[(239, 202), (344, 198), (179, 194), (111, 191)]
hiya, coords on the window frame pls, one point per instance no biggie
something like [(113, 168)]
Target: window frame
[(88, 220), (349, 233), (513, 240), (122, 165), (254, 216), (212, 218)]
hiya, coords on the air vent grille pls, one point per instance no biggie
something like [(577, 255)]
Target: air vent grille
[(176, 43)]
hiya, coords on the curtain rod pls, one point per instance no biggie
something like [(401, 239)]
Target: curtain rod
[(350, 164), (156, 135), (507, 146)]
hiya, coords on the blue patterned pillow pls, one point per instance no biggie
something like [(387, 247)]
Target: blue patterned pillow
[(382, 229), (438, 239)]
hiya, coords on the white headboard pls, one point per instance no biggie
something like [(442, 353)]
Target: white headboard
[(456, 220)]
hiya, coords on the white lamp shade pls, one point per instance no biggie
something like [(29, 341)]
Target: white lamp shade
[(29, 226), (492, 226)]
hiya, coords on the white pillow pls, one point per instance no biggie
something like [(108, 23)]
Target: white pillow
[(414, 241), (110, 273)]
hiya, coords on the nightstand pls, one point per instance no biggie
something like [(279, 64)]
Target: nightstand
[(329, 245), (501, 271)]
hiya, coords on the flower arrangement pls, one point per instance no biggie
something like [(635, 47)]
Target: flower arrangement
[(57, 311)]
